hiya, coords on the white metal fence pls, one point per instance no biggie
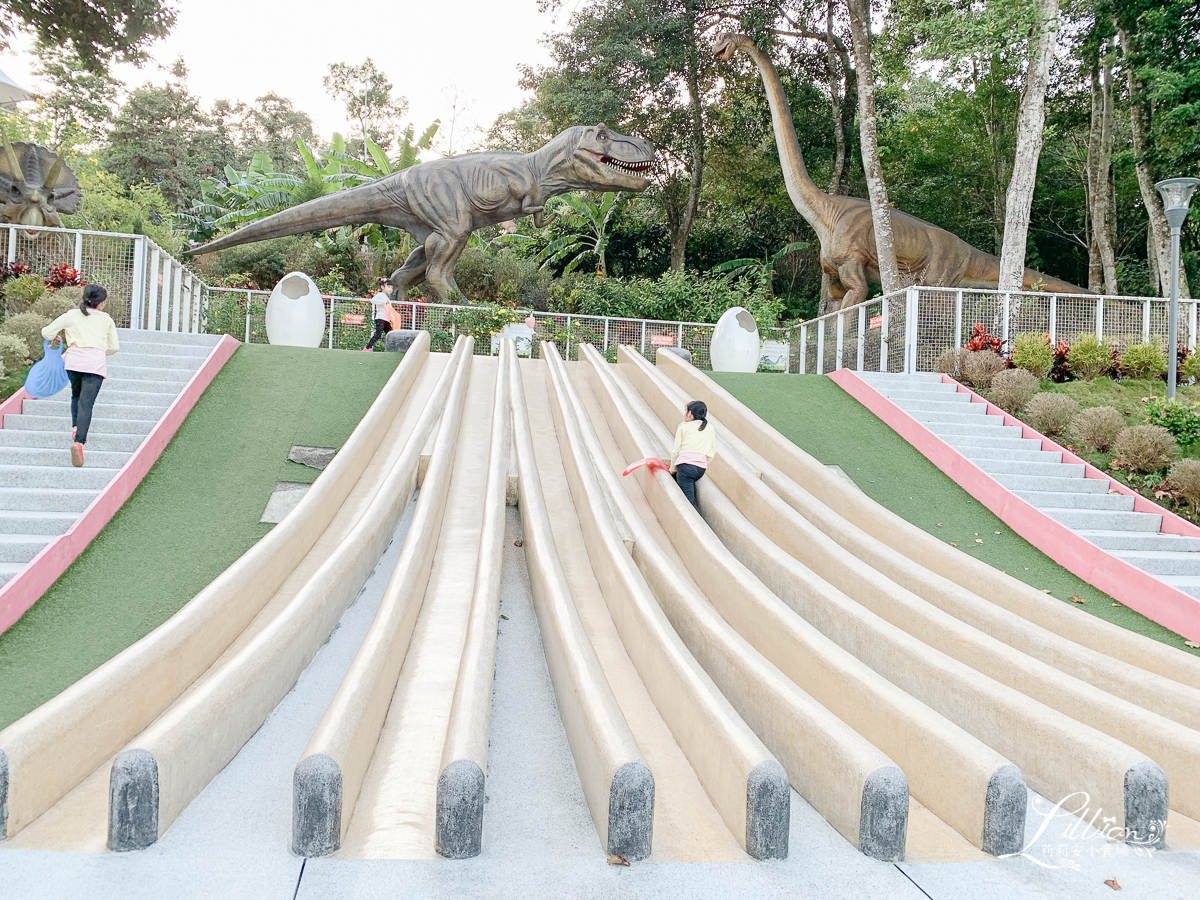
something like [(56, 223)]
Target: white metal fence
[(147, 287), (906, 331)]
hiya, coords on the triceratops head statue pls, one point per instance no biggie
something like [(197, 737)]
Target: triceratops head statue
[(36, 186)]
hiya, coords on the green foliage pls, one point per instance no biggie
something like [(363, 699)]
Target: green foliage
[(28, 327), (1089, 356), (14, 352), (265, 262), (241, 197), (1144, 361), (1032, 352), (54, 304), (99, 32), (1181, 419), (1189, 369), (20, 294), (589, 222), (367, 94)]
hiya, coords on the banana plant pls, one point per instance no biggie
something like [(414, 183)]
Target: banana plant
[(591, 236), (764, 268), (241, 197)]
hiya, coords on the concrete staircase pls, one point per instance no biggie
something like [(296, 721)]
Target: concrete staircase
[(1042, 479), (41, 493)]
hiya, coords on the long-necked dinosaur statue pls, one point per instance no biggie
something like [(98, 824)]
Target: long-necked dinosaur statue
[(927, 255), (36, 185), (441, 202)]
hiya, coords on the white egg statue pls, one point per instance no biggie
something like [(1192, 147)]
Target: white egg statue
[(735, 343), (295, 312)]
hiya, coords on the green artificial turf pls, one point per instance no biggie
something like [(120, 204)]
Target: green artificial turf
[(825, 421), (196, 511)]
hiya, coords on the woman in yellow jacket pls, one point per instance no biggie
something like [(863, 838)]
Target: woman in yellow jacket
[(695, 447), (91, 337)]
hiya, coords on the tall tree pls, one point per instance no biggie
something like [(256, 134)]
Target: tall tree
[(270, 124), (98, 31), (1031, 120), (868, 136), (77, 105), (367, 94)]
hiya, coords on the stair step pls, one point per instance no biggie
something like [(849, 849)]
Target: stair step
[(1023, 454), (1077, 500), (1189, 584), (105, 408), (972, 421), (176, 377), (100, 424), (73, 500), (1019, 467), (980, 430), (944, 393), (21, 548), (1051, 483), (35, 521), (60, 439), (86, 478), (34, 456), (902, 377), (185, 338), (8, 570), (156, 360), (957, 407), (117, 394), (964, 442), (1104, 520), (1163, 562), (1127, 540)]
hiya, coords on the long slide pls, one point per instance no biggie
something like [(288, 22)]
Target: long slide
[(788, 645)]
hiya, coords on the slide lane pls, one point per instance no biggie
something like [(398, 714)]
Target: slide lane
[(53, 806)]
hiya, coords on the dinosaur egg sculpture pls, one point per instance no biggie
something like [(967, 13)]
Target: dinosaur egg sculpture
[(735, 343), (295, 312)]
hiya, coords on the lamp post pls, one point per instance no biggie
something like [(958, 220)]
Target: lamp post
[(1176, 196)]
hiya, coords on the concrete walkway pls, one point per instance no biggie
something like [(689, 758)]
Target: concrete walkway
[(1041, 478)]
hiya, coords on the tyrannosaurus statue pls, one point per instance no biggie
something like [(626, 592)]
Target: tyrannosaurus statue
[(36, 186), (441, 202), (926, 254)]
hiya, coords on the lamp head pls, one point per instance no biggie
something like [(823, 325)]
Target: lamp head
[(1177, 196)]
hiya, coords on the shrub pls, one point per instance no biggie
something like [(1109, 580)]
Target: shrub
[(1050, 413), (1144, 449), (1144, 361), (55, 303), (1184, 479), (1033, 353), (1181, 419), (1012, 389), (63, 275), (21, 293), (1089, 357), (1097, 428), (979, 367), (949, 361), (982, 339), (28, 327), (14, 352), (1189, 369)]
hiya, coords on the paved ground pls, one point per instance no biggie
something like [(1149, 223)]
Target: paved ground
[(232, 842)]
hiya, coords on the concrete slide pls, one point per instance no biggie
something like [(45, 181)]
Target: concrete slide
[(710, 669)]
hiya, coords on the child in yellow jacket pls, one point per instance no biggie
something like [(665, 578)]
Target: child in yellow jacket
[(695, 447)]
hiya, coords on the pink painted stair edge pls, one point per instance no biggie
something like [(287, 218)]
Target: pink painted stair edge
[(27, 586), (1138, 590), (13, 405)]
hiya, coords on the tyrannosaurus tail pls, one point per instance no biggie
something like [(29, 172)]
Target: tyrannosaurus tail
[(355, 206)]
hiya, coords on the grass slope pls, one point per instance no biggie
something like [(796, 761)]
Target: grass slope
[(826, 422), (196, 512)]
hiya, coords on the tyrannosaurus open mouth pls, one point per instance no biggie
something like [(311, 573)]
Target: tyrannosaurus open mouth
[(620, 165)]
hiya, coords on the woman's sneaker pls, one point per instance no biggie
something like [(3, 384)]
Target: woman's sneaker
[(76, 454)]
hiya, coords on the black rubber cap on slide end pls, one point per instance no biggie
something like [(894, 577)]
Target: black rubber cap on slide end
[(1004, 808), (316, 806), (133, 801), (460, 799), (768, 811), (883, 815), (631, 812), (1146, 805)]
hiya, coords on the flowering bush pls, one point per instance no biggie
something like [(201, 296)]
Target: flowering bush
[(1181, 419), (982, 339), (63, 275), (13, 270)]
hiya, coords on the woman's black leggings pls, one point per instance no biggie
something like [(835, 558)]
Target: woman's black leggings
[(686, 477), (84, 388), (382, 327)]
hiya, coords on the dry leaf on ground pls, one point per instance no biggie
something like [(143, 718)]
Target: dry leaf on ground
[(615, 860), (953, 543), (1195, 645), (978, 540), (1112, 883), (518, 543), (1075, 598)]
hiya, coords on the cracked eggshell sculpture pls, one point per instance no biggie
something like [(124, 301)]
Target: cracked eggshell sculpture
[(735, 343), (296, 312)]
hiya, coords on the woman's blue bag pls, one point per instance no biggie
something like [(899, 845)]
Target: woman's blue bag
[(48, 375)]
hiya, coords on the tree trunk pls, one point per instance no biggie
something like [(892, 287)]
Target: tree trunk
[(1030, 121), (1160, 232), (683, 227), (1101, 258), (838, 175), (1095, 282), (881, 214)]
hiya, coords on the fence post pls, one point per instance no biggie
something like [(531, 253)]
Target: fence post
[(958, 341), (137, 302), (803, 348), (1146, 321), (910, 322), (862, 338), (1053, 319), (883, 337), (837, 352), (332, 304), (152, 288), (643, 337), (164, 311), (1100, 318), (77, 262), (567, 349), (606, 334), (12, 243), (249, 302), (186, 320), (1007, 313), (1192, 327), (177, 299), (820, 346)]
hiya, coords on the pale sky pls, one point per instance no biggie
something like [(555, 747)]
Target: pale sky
[(242, 49)]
